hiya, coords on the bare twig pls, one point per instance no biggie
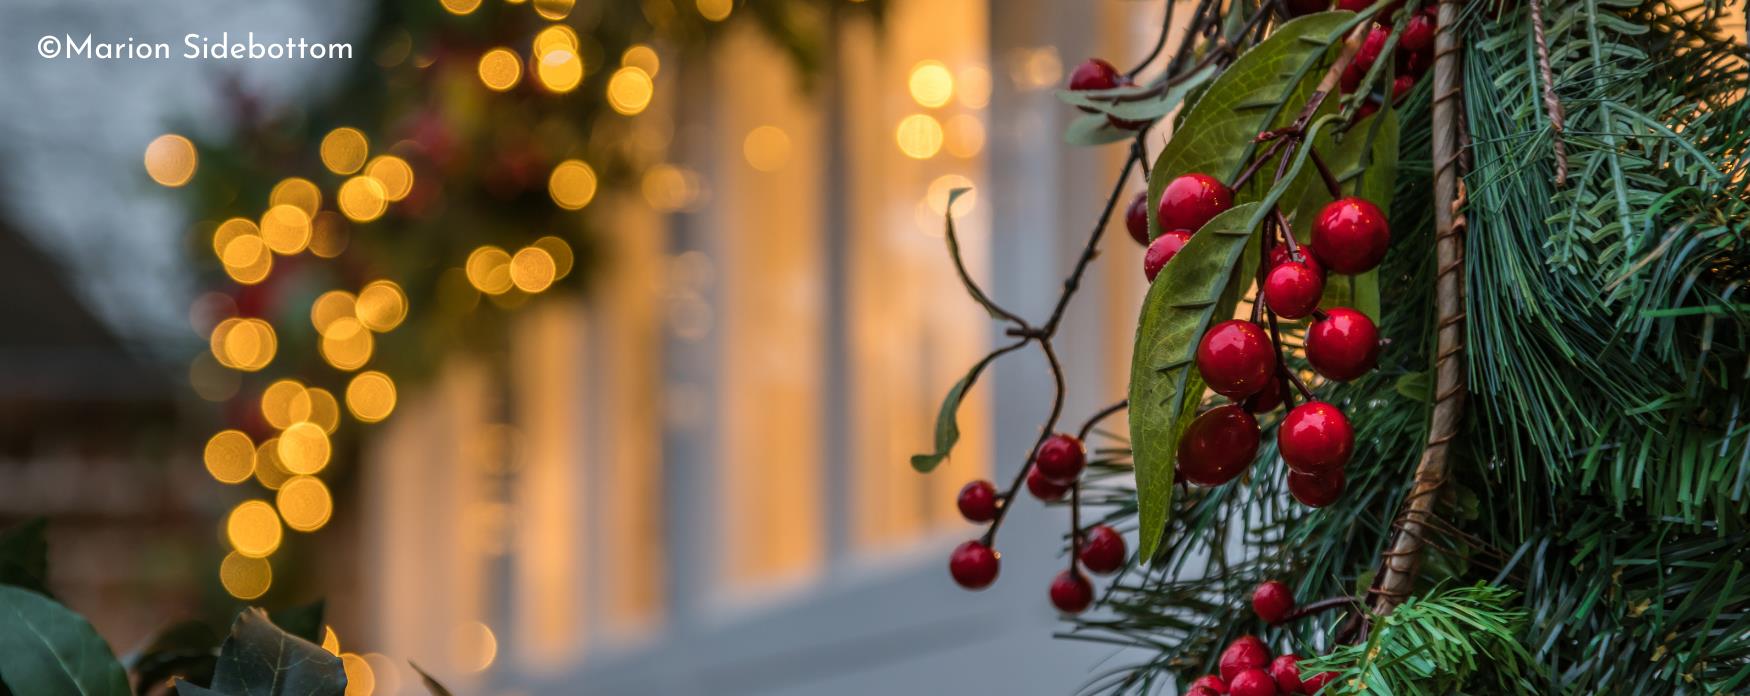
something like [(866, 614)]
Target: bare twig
[(1551, 103)]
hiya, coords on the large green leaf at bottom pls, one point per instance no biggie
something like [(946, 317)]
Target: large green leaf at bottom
[(1194, 289), (47, 649), (261, 659)]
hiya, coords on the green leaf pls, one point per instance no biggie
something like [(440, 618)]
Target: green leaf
[(431, 684), (260, 659), (45, 648), (1165, 388), (947, 425), (24, 556), (1144, 109), (304, 621), (189, 650), (1418, 386), (1093, 129), (953, 240)]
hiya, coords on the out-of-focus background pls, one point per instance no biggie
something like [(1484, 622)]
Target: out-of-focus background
[(562, 347)]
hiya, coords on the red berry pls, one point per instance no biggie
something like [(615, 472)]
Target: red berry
[(1418, 34), (1103, 550), (1252, 682), (978, 501), (1354, 5), (1202, 691), (1071, 592), (1414, 63), (1372, 47), (1343, 345), (1315, 437), (1285, 670), (1312, 684), (1401, 86), (973, 565), (1210, 682), (1246, 652), (1350, 235), (1217, 446), (1123, 123), (1043, 488), (1136, 218), (1060, 458), (1236, 358), (1268, 398), (1272, 601), (1162, 250), (1297, 8), (1093, 74), (1191, 200), (1316, 489), (1292, 290), (1368, 109), (1352, 75), (1279, 255)]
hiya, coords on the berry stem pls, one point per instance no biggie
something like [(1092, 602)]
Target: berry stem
[(1100, 415), (1331, 183), (1322, 605), (1075, 524), (1252, 169), (990, 535)]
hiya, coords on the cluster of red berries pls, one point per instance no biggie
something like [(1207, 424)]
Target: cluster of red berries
[(1056, 466), (1096, 74), (1414, 54), (1247, 669)]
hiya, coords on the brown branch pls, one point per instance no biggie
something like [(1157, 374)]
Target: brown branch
[(1402, 560), (1551, 104)]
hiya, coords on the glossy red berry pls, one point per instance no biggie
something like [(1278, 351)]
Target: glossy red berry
[(1279, 255), (1191, 200), (978, 501), (1372, 47), (1315, 437), (1136, 218), (1352, 75), (1043, 488), (1217, 446), (973, 565), (1236, 358), (1401, 86), (1297, 8), (1312, 684), (1272, 601), (1210, 682), (1094, 74), (1246, 652), (1162, 250), (1103, 550), (1251, 682), (1060, 458), (1343, 345), (1350, 235), (1203, 691), (1414, 63), (1071, 592), (1318, 489), (1285, 671), (1292, 290), (1268, 398), (1418, 34)]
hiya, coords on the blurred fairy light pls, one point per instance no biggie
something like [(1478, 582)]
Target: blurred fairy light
[(171, 160), (1035, 69), (362, 199), (715, 10), (630, 90), (297, 192), (343, 150), (500, 69), (268, 470), (361, 680), (330, 306), (286, 229), (974, 84), (557, 37), (387, 673), (232, 229), (330, 641), (669, 188), (381, 305), (643, 58), (937, 196), (460, 7), (572, 184), (474, 647), (304, 448), (554, 10), (230, 456), (245, 577), (919, 136), (931, 84), (394, 174), (247, 259), (324, 409), (767, 148), (370, 396), (284, 403), (244, 344), (253, 528), (328, 235), (347, 345), (963, 136), (488, 270), (559, 251), (559, 70), (532, 270), (304, 503)]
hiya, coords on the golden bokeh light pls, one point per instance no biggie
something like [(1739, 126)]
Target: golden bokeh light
[(253, 529), (557, 37), (269, 472), (304, 448), (343, 150), (232, 229), (298, 192), (460, 7), (360, 679), (572, 184), (362, 199), (559, 70), (500, 69), (931, 84), (381, 305), (394, 174), (919, 136), (286, 228), (474, 647), (245, 577), (964, 136), (554, 10), (561, 253), (630, 90), (328, 235), (715, 10), (974, 87), (330, 306), (330, 642), (488, 270), (304, 503), (277, 403), (171, 159), (767, 148), (667, 187), (387, 672), (230, 456), (370, 396), (244, 344), (348, 344), (324, 409), (643, 58), (247, 259), (533, 270)]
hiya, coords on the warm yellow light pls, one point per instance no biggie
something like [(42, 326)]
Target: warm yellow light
[(363, 199), (230, 456), (557, 37), (324, 409), (304, 503), (643, 58), (667, 187), (561, 253), (370, 396), (344, 149), (767, 148), (286, 228), (532, 269), (244, 344), (964, 136), (559, 70), (330, 642), (500, 69), (931, 84), (715, 10), (629, 90), (304, 448), (298, 192), (474, 646), (171, 159), (232, 229), (330, 306), (269, 472), (974, 86), (572, 184), (360, 679), (381, 305), (245, 577), (553, 9), (919, 136), (253, 529), (347, 345), (277, 400), (393, 173), (328, 235), (247, 259), (460, 7), (488, 270)]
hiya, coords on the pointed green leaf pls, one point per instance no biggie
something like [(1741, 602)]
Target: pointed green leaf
[(260, 659), (1189, 294), (45, 648), (1093, 129), (947, 425), (431, 684)]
